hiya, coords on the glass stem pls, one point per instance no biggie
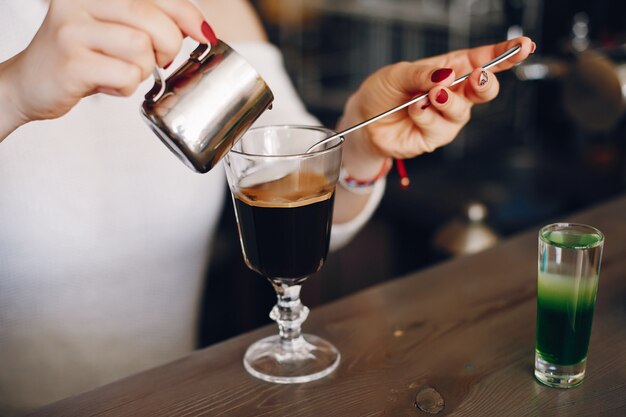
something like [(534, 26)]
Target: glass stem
[(289, 313)]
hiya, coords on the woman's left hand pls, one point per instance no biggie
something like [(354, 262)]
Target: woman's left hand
[(429, 124)]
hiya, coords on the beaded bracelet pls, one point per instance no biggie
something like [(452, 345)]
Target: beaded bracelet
[(363, 186)]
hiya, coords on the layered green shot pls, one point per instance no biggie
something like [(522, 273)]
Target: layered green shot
[(566, 303)]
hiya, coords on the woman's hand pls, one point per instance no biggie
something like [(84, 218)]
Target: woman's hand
[(426, 125), (88, 46)]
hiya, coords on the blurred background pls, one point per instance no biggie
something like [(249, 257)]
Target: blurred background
[(552, 143)]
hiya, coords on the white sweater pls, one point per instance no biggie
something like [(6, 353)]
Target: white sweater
[(104, 235)]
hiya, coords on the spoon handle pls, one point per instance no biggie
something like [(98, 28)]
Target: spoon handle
[(506, 55)]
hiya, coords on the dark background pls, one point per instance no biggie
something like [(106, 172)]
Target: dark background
[(526, 157)]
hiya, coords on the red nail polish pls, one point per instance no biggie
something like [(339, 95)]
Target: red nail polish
[(428, 104), (168, 65), (208, 33), (442, 96), (441, 74)]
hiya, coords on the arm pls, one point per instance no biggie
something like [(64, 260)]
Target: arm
[(90, 46), (10, 118)]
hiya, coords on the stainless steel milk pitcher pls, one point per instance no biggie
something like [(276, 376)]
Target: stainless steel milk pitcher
[(206, 105)]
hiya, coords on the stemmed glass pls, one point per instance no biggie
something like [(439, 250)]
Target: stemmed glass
[(283, 200)]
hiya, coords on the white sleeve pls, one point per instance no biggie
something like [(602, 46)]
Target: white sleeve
[(289, 109), (342, 233)]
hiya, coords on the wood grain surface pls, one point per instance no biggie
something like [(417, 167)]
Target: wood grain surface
[(463, 330)]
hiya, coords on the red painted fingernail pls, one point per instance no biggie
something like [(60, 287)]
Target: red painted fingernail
[(208, 33), (427, 104), (442, 96), (441, 74), (533, 47), (168, 65)]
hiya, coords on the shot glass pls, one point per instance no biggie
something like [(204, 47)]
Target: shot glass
[(569, 268)]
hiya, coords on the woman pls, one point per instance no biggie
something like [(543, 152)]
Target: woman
[(104, 234)]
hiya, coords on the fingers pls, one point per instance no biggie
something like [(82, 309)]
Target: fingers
[(527, 48), (121, 42), (451, 106), (108, 75), (163, 21), (481, 86), (166, 38), (440, 119), (447, 111), (444, 114), (466, 60), (413, 78), (478, 56)]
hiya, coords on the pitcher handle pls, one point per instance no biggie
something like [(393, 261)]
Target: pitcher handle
[(158, 89)]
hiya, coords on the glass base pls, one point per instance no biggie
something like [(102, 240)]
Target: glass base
[(304, 359), (559, 376)]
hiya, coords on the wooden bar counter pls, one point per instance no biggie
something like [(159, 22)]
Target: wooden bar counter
[(459, 337)]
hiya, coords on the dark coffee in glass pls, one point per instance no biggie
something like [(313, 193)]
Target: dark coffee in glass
[(284, 225), (283, 198)]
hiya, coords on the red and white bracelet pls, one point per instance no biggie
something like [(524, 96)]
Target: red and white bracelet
[(363, 186)]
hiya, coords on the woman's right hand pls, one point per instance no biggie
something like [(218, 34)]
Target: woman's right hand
[(89, 46)]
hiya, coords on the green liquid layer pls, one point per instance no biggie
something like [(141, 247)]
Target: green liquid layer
[(564, 315), (572, 240)]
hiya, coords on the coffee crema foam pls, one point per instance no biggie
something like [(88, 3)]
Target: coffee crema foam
[(294, 190)]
